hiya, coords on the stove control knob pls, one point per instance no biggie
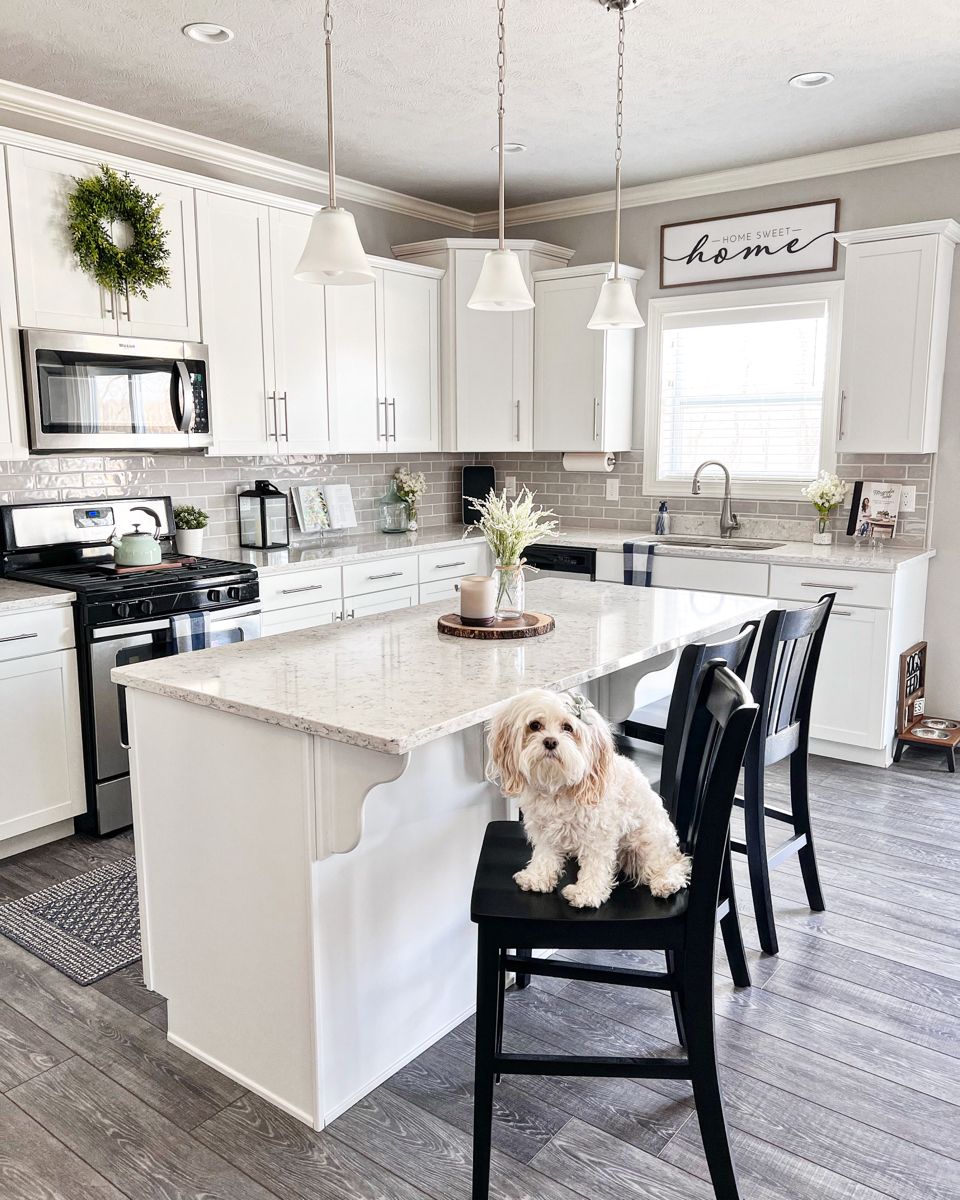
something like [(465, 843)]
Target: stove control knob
[(233, 593), (146, 607), (122, 610), (214, 595)]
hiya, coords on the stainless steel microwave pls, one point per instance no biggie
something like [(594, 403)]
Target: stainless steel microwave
[(99, 392)]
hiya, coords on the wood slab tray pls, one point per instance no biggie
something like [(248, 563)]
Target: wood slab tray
[(531, 624)]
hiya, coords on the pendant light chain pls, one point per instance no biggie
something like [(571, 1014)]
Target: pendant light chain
[(501, 88), (331, 152), (619, 154)]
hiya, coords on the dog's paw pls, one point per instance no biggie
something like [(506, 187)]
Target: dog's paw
[(535, 881), (581, 897), (671, 879)]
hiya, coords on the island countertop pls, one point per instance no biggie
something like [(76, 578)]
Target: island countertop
[(391, 682)]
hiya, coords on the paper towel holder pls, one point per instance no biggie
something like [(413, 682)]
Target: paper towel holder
[(596, 460)]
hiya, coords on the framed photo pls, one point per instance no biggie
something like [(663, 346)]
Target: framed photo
[(792, 240), (311, 509)]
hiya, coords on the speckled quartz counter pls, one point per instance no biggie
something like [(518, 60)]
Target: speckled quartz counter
[(391, 682), (20, 597)]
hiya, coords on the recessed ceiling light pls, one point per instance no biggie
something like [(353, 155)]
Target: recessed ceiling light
[(811, 79), (510, 148), (209, 33)]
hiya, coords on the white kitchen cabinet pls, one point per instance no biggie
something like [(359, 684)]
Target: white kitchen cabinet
[(583, 378), (486, 357), (53, 292), (896, 306), (301, 616), (13, 432), (377, 602), (710, 575), (411, 359), (357, 401)]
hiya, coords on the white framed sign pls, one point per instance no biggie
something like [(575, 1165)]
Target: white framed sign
[(753, 245)]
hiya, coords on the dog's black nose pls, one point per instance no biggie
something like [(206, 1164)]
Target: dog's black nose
[(550, 743)]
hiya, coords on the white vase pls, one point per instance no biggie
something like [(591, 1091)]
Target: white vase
[(823, 539), (190, 542)]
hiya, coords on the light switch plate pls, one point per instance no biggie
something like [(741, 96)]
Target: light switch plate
[(613, 489), (510, 485), (908, 498)]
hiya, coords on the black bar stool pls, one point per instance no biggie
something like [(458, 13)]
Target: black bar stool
[(682, 925)]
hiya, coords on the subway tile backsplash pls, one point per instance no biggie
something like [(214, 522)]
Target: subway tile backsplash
[(579, 499)]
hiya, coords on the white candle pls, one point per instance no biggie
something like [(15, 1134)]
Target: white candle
[(478, 595)]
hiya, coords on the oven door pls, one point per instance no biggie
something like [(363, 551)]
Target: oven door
[(96, 392)]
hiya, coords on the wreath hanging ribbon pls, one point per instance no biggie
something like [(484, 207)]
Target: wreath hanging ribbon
[(92, 207)]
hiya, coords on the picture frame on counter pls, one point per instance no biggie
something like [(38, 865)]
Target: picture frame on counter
[(874, 509), (324, 507), (790, 240)]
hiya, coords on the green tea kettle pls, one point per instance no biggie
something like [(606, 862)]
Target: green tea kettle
[(138, 549)]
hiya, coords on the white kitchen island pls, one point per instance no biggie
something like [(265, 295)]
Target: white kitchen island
[(308, 809)]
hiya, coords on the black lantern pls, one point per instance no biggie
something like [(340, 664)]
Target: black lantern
[(264, 516)]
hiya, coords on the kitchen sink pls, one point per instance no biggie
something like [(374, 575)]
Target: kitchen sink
[(718, 543)]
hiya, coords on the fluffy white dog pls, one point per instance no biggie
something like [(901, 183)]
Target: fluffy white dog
[(579, 798)]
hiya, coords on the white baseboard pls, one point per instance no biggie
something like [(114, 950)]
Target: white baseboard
[(855, 754)]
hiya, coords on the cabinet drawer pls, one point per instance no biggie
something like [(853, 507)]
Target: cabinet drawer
[(869, 589), (299, 587), (468, 559), (440, 589), (711, 575), (380, 574), (384, 601), (301, 616), (35, 631)]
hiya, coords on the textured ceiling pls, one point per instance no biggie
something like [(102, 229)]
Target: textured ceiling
[(415, 85)]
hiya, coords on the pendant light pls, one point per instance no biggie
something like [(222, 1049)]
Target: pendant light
[(501, 286), (617, 305), (333, 253)]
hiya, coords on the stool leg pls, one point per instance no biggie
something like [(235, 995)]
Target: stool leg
[(730, 927), (488, 985), (702, 1056), (522, 981), (800, 807), (757, 852), (501, 1000), (898, 753), (951, 760), (675, 997)]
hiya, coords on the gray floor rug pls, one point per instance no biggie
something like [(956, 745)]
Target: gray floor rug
[(87, 927)]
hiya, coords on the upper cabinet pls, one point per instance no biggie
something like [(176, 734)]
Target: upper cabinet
[(53, 292), (13, 433), (896, 305), (583, 378), (486, 358)]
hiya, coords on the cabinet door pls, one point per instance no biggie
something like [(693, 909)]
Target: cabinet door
[(169, 312), (52, 291), (357, 417), (494, 369), (234, 245), (299, 338), (888, 303), (363, 606), (301, 616), (40, 715), (568, 366), (411, 359)]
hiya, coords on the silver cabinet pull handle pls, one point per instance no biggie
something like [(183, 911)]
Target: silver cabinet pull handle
[(841, 612), (19, 637), (272, 399), (837, 587), (352, 614), (125, 297), (842, 427), (393, 409), (516, 436), (382, 404), (310, 587), (596, 419), (462, 562), (282, 398), (386, 575), (456, 587), (106, 303)]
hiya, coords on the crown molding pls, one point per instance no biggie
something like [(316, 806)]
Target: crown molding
[(948, 229), (784, 170), (91, 119)]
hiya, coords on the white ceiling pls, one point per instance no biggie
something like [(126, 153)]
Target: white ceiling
[(415, 85)]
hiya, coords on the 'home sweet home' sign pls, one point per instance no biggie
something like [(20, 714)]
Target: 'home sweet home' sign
[(777, 241)]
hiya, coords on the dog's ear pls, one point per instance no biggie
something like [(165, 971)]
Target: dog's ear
[(503, 746), (599, 745)]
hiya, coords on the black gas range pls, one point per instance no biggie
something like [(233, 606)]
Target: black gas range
[(121, 616)]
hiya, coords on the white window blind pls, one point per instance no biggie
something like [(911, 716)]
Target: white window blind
[(744, 384)]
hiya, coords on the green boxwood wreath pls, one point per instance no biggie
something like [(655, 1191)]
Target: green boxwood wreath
[(91, 207)]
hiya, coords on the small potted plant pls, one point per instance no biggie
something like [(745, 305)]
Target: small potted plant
[(409, 486), (510, 527), (825, 493), (190, 523)]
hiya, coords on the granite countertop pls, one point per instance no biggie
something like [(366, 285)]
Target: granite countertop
[(18, 597), (391, 682)]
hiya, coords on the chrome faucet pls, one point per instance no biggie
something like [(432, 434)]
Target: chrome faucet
[(729, 521)]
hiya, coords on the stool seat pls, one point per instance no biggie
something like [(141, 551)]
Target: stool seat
[(546, 920)]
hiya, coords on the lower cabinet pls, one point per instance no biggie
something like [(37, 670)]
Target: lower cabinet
[(377, 602), (40, 716), (300, 616)]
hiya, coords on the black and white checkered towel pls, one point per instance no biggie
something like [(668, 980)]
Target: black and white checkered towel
[(638, 563)]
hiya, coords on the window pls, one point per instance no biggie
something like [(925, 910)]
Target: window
[(747, 377)]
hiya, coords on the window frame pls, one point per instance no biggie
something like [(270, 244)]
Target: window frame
[(746, 488)]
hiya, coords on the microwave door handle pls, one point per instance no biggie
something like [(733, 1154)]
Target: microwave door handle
[(181, 397)]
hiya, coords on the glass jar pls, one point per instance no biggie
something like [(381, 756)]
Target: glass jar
[(394, 513), (510, 591)]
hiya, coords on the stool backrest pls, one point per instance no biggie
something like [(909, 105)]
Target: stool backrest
[(722, 720), (735, 653), (784, 674)]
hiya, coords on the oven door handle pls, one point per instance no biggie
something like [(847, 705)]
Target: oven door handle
[(181, 397), (122, 709)]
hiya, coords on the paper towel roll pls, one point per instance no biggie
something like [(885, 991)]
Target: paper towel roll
[(589, 462)]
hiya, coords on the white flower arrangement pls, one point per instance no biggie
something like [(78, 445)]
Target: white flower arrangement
[(410, 485), (509, 526), (826, 493)]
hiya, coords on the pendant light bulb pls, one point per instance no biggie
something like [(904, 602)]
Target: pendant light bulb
[(501, 286), (617, 305), (333, 253)]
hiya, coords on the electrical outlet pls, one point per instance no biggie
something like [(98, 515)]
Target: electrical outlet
[(510, 485), (613, 489), (908, 498)]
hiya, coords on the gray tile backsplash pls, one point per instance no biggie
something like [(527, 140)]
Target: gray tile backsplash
[(212, 483)]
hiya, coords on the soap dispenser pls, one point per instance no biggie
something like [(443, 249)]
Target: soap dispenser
[(663, 520)]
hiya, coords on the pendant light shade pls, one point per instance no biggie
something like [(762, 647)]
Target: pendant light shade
[(616, 307), (333, 253), (501, 286)]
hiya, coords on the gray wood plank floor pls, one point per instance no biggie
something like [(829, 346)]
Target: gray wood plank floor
[(841, 1067)]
